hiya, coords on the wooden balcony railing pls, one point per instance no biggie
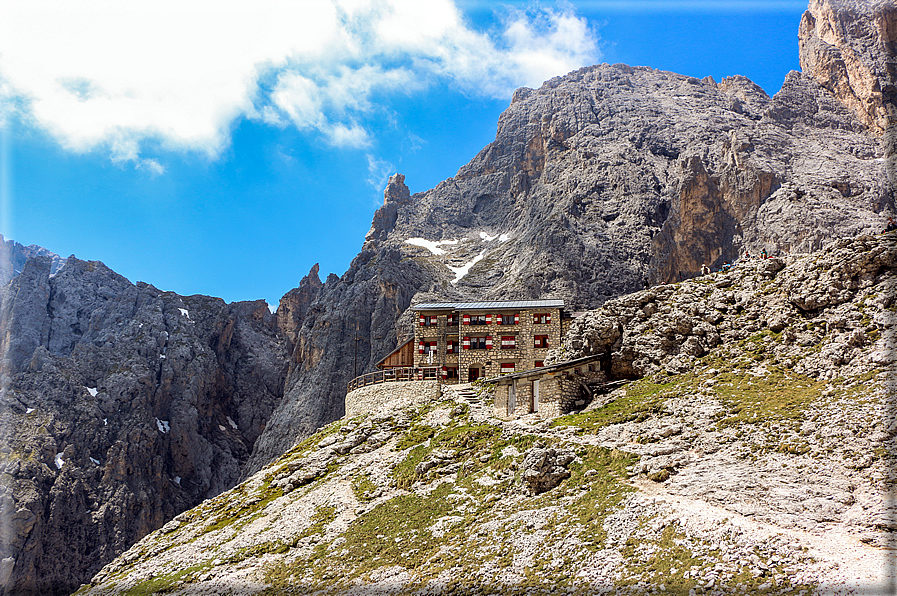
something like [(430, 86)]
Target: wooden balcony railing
[(391, 375)]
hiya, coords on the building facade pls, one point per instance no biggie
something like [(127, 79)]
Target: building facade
[(465, 341)]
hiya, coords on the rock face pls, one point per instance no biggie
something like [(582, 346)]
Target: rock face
[(121, 406), (14, 255), (848, 46), (598, 183), (669, 327)]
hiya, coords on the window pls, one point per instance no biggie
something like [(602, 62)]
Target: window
[(539, 364), (542, 318), (451, 346), (450, 372), (540, 341), (429, 321), (507, 367), (507, 319), (452, 320), (508, 342), (431, 346), (480, 319), (480, 343)]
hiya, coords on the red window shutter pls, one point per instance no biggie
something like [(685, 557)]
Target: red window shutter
[(466, 343), (433, 320), (548, 318), (466, 320), (420, 347), (516, 318), (488, 319), (444, 373), (535, 318), (513, 343), (488, 342), (499, 319), (422, 321)]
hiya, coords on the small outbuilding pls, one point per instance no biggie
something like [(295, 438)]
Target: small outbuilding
[(549, 391)]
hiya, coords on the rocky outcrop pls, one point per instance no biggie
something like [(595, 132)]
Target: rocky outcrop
[(598, 183), (849, 47), (805, 305), (121, 406), (14, 255), (295, 303)]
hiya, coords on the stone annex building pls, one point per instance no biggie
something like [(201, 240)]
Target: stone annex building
[(465, 341)]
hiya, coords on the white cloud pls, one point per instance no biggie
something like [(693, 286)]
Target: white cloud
[(378, 172), (112, 75)]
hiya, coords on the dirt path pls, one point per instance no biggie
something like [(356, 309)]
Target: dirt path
[(844, 564)]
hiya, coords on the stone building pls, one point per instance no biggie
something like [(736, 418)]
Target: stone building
[(465, 341), (550, 390)]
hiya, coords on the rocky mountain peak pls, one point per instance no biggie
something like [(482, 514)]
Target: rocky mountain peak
[(848, 46)]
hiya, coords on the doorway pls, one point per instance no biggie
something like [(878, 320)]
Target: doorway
[(512, 397), (474, 373), (536, 395)]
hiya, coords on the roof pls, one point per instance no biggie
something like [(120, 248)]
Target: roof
[(546, 369), (488, 305)]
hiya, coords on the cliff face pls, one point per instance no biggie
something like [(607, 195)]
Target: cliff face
[(848, 46), (598, 183), (121, 406)]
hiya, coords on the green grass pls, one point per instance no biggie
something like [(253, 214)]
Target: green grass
[(642, 400)]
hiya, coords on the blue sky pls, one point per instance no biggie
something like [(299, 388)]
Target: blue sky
[(224, 148)]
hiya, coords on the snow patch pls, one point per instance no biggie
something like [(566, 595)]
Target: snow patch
[(163, 425), (92, 391), (59, 461), (504, 238), (161, 356), (232, 423), (29, 410), (430, 245), (105, 422), (464, 269), (177, 479), (185, 312), (95, 461), (487, 237), (221, 427)]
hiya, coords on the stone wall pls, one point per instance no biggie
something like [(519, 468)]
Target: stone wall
[(559, 394), (391, 396)]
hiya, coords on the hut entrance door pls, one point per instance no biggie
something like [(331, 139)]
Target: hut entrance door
[(536, 395), (512, 397)]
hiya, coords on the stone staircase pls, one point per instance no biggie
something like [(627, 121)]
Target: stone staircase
[(466, 394)]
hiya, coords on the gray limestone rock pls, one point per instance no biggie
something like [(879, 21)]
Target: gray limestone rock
[(121, 406)]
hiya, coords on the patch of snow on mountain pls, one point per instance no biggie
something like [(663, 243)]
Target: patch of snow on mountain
[(430, 245), (185, 312), (163, 425), (464, 269), (95, 461), (92, 391), (232, 423), (504, 238), (177, 479), (59, 461), (487, 237), (105, 422), (29, 410)]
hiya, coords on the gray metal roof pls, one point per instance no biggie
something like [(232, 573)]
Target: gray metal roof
[(488, 305)]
